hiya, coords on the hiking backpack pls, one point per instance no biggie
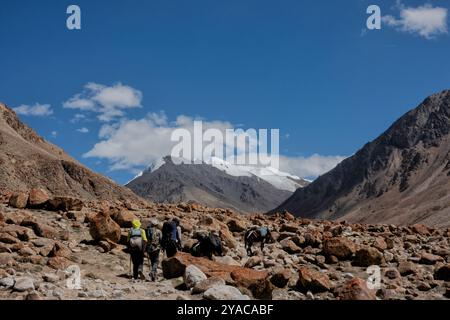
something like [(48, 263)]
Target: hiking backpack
[(136, 242), (153, 239)]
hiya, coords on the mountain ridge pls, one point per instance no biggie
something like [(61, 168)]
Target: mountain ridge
[(394, 178)]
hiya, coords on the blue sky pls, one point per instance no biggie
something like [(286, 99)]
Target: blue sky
[(309, 68)]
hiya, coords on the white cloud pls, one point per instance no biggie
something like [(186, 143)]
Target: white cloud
[(108, 101), (77, 118), (312, 166), (54, 134), (134, 144), (38, 110), (83, 130), (426, 21)]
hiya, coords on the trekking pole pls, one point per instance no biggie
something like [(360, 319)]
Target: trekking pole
[(130, 272)]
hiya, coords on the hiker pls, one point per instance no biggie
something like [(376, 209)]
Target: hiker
[(154, 238), (171, 237), (257, 234), (136, 244), (208, 243)]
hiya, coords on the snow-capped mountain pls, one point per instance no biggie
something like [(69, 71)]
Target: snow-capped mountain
[(217, 183)]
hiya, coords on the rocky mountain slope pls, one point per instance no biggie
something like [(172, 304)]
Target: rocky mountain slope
[(218, 185), (41, 251), (28, 161), (401, 177)]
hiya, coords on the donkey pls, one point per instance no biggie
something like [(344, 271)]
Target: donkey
[(257, 234)]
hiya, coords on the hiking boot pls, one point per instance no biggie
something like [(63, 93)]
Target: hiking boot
[(141, 275)]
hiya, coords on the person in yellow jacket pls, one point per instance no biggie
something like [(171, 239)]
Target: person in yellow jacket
[(137, 241)]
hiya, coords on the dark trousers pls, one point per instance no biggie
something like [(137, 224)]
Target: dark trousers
[(137, 258), (154, 262)]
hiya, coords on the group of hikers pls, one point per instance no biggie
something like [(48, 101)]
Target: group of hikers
[(151, 241)]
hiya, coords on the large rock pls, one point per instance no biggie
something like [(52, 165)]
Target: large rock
[(442, 272), (19, 200), (256, 281), (192, 276), (102, 227), (38, 198), (20, 232), (40, 229), (289, 246), (368, 256), (251, 279), (253, 261), (124, 218), (206, 284), (430, 259), (58, 263), (340, 247), (406, 268), (355, 289), (24, 284), (65, 204), (313, 280), (7, 282), (235, 225), (224, 292), (281, 277), (421, 229)]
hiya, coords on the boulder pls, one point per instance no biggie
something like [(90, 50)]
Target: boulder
[(421, 229), (102, 227), (313, 280), (65, 204), (288, 227), (368, 256), (60, 250), (281, 277), (355, 289), (20, 232), (40, 229), (430, 259), (227, 260), (192, 276), (18, 200), (7, 282), (58, 263), (340, 247), (224, 292), (8, 238), (442, 272), (124, 219), (38, 198), (206, 284), (253, 261), (235, 225), (406, 268), (24, 284), (290, 247), (78, 216), (256, 281), (392, 273)]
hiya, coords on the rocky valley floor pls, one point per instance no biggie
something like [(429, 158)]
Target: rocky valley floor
[(309, 259)]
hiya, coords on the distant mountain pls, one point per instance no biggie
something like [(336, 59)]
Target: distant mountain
[(401, 177), (28, 161), (217, 184)]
